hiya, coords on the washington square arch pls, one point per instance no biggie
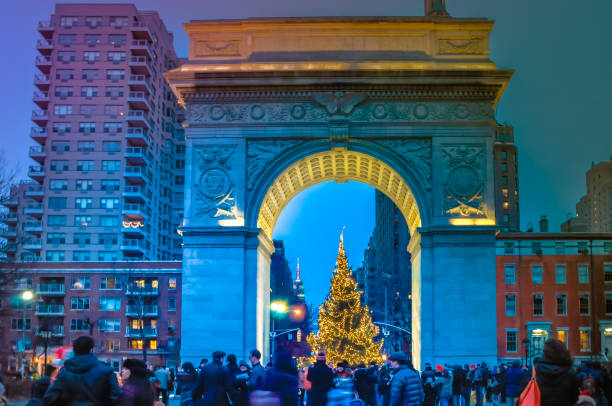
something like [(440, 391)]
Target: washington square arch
[(274, 106)]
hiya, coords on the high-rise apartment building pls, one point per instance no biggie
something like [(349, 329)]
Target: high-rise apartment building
[(386, 271), (506, 180), (596, 206), (110, 151)]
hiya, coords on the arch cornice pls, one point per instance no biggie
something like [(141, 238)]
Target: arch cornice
[(413, 188)]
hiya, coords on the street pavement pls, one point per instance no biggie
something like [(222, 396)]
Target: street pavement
[(174, 401)]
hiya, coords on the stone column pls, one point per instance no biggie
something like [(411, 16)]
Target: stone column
[(226, 288), (454, 303)]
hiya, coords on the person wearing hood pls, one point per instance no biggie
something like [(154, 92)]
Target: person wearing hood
[(186, 381), (406, 389), (445, 384), (322, 379), (137, 389), (84, 380), (555, 376), (514, 383), (282, 378)]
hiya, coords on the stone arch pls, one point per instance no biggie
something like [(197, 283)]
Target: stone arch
[(341, 165)]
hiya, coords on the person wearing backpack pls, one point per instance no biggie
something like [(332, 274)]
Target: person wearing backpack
[(481, 378), (555, 376)]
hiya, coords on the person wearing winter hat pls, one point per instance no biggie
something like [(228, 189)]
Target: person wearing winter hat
[(555, 376), (322, 379), (186, 381), (406, 389)]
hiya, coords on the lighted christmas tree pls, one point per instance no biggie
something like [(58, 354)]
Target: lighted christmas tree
[(346, 331)]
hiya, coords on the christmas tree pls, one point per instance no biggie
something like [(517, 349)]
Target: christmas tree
[(346, 331)]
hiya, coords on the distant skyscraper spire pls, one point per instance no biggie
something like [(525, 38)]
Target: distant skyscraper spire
[(297, 278), (436, 8), (298, 286)]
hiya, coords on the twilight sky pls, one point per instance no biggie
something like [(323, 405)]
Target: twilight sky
[(556, 101)]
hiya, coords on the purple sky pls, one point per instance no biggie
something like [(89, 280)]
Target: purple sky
[(557, 102)]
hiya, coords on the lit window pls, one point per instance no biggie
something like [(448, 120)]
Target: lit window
[(153, 344), (562, 335), (154, 284), (112, 345), (80, 283), (585, 339), (172, 283)]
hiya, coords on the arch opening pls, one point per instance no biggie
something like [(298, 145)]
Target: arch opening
[(340, 165)]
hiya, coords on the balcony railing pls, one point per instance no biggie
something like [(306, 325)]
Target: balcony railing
[(32, 244), (45, 25), (137, 310), (49, 310), (50, 289), (41, 43), (144, 291), (42, 60), (137, 332), (36, 149), (56, 331), (40, 95), (135, 170), (31, 226), (40, 113)]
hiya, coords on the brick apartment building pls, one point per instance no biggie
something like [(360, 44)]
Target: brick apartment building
[(554, 285), (122, 305), (109, 148)]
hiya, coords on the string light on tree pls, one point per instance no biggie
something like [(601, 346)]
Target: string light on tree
[(346, 331)]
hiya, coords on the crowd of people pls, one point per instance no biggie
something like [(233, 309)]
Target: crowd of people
[(84, 380)]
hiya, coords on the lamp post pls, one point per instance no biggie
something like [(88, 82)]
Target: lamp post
[(26, 296), (276, 307), (386, 277)]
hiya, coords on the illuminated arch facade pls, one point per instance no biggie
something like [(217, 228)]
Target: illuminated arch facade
[(274, 106)]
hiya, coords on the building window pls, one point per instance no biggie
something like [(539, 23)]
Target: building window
[(89, 91), (92, 39), (84, 185), (83, 203), (115, 56), (536, 274), (62, 109), (79, 303), (81, 256), (110, 303), (111, 345), (172, 283), (510, 305), (87, 128), (91, 57), (63, 91), (61, 128), (17, 324), (135, 344), (84, 166), (560, 274), (110, 283), (56, 221), (538, 305), (118, 22), (111, 146), (55, 256), (57, 203), (536, 248), (109, 185), (111, 165), (66, 56), (171, 303), (59, 166), (559, 248), (113, 110), (109, 204), (585, 339), (510, 274), (117, 39), (608, 303), (86, 146), (504, 155), (179, 180), (109, 221), (93, 22), (107, 256), (68, 22), (81, 239), (56, 238), (90, 75), (583, 248), (585, 306), (562, 335), (115, 74), (58, 184), (113, 128), (80, 283), (82, 221), (511, 340), (608, 273), (79, 325), (88, 110), (67, 39), (583, 274), (109, 325), (107, 239), (561, 304)]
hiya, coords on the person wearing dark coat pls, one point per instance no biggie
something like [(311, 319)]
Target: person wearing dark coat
[(137, 389), (214, 383), (321, 378), (459, 376), (406, 389), (384, 383), (282, 378), (83, 380), (514, 381), (186, 382), (556, 377), (257, 371), (365, 384)]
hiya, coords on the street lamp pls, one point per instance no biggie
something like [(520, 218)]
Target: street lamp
[(277, 307), (45, 335), (386, 277), (526, 346), (26, 296)]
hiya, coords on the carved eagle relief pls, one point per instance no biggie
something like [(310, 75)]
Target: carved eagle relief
[(341, 103)]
